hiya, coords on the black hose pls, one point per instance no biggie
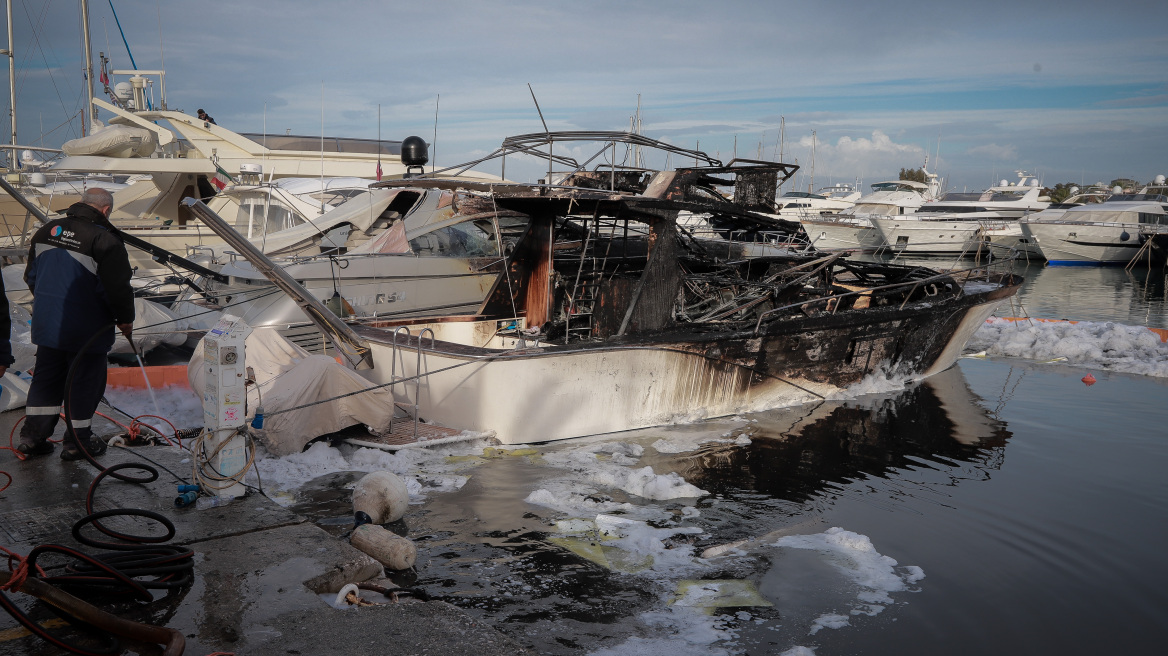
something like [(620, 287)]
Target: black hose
[(133, 564)]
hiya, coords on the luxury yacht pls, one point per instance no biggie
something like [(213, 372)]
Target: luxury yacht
[(1103, 233), (796, 205), (852, 228), (961, 222)]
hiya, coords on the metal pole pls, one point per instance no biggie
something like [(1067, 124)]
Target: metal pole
[(355, 349), (90, 110), (11, 84)]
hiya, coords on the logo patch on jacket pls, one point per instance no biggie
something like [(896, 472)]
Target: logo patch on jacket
[(56, 231)]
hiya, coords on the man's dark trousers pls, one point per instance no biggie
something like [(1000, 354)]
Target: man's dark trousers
[(47, 393)]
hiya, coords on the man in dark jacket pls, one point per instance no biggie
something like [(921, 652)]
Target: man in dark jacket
[(6, 358), (79, 275)]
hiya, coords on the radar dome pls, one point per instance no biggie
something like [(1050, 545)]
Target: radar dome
[(1033, 182), (1117, 189), (1074, 190), (1004, 183), (414, 152), (1159, 180), (38, 179), (27, 157), (124, 90)]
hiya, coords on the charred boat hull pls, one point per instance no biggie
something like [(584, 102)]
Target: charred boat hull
[(558, 392)]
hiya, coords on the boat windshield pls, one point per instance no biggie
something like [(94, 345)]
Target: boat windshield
[(882, 209), (327, 144), (466, 239), (261, 215), (1151, 198), (985, 196), (802, 194)]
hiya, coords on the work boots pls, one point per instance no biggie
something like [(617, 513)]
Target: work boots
[(95, 446)]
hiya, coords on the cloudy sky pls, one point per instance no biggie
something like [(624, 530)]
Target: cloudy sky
[(1075, 91)]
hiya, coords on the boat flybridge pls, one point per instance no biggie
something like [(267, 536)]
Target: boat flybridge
[(963, 222), (1111, 232), (268, 182), (852, 228)]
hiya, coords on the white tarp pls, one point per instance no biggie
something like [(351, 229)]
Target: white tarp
[(154, 324), (14, 286), (289, 376)]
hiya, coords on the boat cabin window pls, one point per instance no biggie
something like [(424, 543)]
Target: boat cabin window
[(466, 239), (259, 216)]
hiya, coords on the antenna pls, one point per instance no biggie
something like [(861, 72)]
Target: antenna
[(379, 141), (322, 146), (546, 131), (434, 147)]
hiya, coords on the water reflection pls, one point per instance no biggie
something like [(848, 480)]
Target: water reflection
[(795, 456), (1084, 293)]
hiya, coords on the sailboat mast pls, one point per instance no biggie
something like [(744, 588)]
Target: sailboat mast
[(11, 86), (90, 110)]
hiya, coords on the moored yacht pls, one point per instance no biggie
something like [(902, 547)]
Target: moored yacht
[(852, 227), (961, 222), (1103, 233), (795, 205)]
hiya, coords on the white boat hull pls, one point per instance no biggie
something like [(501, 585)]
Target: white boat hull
[(1085, 243), (904, 235), (553, 393)]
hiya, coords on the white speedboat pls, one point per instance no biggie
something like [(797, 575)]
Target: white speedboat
[(961, 222), (852, 228), (1104, 233)]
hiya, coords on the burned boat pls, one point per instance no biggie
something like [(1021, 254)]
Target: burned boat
[(608, 317)]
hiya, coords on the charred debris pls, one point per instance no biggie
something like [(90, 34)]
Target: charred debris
[(617, 251)]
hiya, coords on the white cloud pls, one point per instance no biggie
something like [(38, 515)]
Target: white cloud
[(1007, 153)]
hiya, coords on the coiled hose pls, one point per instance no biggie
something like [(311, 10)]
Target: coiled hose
[(132, 566)]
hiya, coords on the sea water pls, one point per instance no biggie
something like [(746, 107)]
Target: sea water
[(1003, 506)]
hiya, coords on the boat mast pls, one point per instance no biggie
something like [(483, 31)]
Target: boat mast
[(90, 110), (11, 86)]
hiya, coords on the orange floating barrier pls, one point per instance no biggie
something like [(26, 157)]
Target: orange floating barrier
[(160, 376), (1088, 380)]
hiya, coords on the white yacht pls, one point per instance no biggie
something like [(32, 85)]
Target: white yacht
[(852, 227), (796, 205), (961, 222), (1103, 233)]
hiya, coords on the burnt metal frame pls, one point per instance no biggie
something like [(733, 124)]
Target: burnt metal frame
[(528, 144)]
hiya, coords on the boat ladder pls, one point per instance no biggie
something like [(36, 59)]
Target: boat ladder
[(399, 351)]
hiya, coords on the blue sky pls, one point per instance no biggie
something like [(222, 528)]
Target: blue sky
[(1077, 91)]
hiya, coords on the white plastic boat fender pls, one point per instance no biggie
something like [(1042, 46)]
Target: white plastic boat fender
[(386, 547), (379, 497)]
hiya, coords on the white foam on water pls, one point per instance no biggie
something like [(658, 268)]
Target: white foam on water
[(424, 471), (684, 445), (1091, 344), (178, 404), (854, 556), (877, 382), (799, 651), (828, 621), (686, 632), (618, 471)]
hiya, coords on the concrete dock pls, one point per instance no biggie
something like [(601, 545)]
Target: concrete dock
[(262, 573)]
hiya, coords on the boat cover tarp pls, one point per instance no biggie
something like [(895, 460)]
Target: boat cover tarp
[(114, 141), (154, 324), (289, 377)]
